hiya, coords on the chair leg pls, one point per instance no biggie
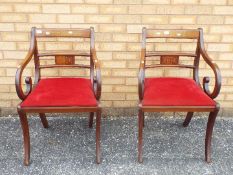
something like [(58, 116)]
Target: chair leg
[(44, 120), (143, 119), (26, 137), (209, 131), (91, 119), (98, 122), (140, 130), (188, 119)]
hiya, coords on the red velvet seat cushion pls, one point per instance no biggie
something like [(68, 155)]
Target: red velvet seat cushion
[(61, 92), (171, 91)]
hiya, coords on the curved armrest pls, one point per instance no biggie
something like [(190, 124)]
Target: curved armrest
[(97, 78), (216, 71), (18, 77), (141, 75)]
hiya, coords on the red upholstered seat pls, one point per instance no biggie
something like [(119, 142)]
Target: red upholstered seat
[(171, 91), (61, 92)]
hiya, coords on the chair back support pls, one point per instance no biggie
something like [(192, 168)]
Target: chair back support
[(171, 58), (63, 59)]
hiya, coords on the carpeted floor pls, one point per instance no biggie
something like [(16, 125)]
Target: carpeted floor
[(68, 147)]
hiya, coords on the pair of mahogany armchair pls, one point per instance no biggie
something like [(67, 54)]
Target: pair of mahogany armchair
[(49, 95)]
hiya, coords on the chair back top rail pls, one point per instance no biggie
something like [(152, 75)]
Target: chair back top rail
[(50, 32), (172, 33)]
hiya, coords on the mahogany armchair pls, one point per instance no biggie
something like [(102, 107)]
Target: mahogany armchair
[(174, 94), (60, 94)]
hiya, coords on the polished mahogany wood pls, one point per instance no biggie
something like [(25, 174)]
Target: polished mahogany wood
[(188, 119), (171, 59), (98, 123), (63, 59), (80, 33), (26, 137), (209, 131), (91, 117), (61, 109), (169, 65), (172, 33), (65, 66), (140, 134), (171, 53), (68, 53), (43, 120)]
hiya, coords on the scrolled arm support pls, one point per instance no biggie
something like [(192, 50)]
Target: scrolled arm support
[(217, 74), (18, 79), (217, 86), (141, 83), (141, 75), (97, 78)]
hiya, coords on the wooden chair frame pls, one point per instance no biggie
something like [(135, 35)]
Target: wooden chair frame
[(200, 51), (95, 76)]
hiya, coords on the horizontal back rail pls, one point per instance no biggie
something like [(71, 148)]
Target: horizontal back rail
[(169, 53), (65, 66), (162, 66), (81, 33), (60, 53), (172, 33)]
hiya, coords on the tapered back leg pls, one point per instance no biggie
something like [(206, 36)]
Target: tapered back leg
[(44, 120), (91, 116), (188, 119)]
